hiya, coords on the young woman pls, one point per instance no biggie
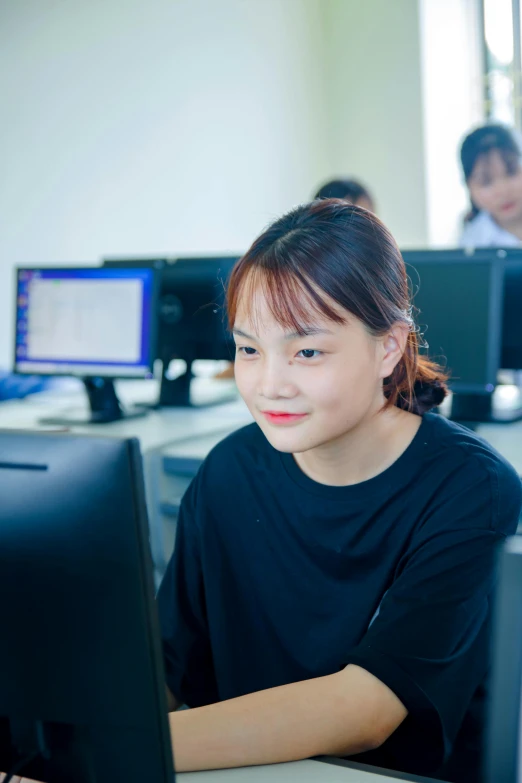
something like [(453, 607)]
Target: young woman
[(491, 161), (350, 190), (330, 587)]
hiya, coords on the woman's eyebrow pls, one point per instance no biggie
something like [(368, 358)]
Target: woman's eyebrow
[(306, 331), (240, 333)]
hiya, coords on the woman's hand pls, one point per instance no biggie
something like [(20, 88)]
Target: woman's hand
[(16, 779)]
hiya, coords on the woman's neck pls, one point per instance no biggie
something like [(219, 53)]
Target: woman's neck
[(363, 452)]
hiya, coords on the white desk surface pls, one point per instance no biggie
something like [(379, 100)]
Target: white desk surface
[(154, 430), (295, 772)]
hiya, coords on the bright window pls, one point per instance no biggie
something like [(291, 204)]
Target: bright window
[(501, 36)]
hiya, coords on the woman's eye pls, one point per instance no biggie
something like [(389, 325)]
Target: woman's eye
[(246, 350), (308, 353)]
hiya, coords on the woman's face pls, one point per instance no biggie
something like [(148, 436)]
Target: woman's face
[(496, 189), (306, 391)]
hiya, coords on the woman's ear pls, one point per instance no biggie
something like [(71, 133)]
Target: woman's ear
[(393, 347)]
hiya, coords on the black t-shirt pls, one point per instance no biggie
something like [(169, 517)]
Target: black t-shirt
[(276, 578)]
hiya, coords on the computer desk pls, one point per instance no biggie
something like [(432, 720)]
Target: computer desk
[(309, 771), (154, 429)]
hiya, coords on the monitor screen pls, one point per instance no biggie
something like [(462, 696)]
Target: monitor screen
[(85, 321), (458, 312), (82, 682)]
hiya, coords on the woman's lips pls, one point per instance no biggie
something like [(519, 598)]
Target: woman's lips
[(508, 207), (275, 417)]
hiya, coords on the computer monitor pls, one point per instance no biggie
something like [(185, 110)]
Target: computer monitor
[(458, 308), (82, 686), (504, 736), (98, 324), (192, 319)]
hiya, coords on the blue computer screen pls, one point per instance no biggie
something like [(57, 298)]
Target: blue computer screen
[(93, 321)]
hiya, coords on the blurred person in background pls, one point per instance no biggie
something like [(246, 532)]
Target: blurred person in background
[(491, 162), (348, 189), (19, 386)]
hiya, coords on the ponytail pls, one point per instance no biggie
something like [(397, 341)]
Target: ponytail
[(417, 384)]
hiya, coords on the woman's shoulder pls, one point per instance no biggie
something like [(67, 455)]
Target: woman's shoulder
[(466, 445), (471, 465)]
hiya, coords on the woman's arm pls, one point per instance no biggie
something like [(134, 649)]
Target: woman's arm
[(340, 714)]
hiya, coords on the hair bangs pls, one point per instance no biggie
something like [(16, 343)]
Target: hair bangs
[(292, 299), (510, 159)]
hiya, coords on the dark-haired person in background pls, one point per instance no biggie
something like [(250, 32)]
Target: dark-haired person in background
[(491, 162), (350, 190), (330, 587)]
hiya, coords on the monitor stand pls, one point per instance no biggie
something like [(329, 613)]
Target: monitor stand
[(472, 409), (176, 392), (56, 751), (179, 392), (104, 406)]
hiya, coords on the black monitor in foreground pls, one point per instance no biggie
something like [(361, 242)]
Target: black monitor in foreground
[(191, 315), (97, 324), (458, 300), (504, 738), (82, 688)]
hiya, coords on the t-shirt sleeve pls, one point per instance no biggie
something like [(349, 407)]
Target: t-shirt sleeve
[(189, 667), (429, 639)]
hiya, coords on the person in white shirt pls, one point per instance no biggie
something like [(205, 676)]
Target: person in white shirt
[(491, 161)]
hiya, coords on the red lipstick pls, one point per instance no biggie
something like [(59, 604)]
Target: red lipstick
[(279, 418)]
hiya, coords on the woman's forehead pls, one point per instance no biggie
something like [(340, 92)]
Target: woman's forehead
[(286, 304)]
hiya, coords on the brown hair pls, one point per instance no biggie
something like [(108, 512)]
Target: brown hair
[(334, 248)]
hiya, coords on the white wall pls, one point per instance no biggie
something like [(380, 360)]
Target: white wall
[(170, 126), (453, 103), (376, 117), (184, 126)]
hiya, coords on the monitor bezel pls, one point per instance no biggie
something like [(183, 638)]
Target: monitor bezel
[(85, 370)]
